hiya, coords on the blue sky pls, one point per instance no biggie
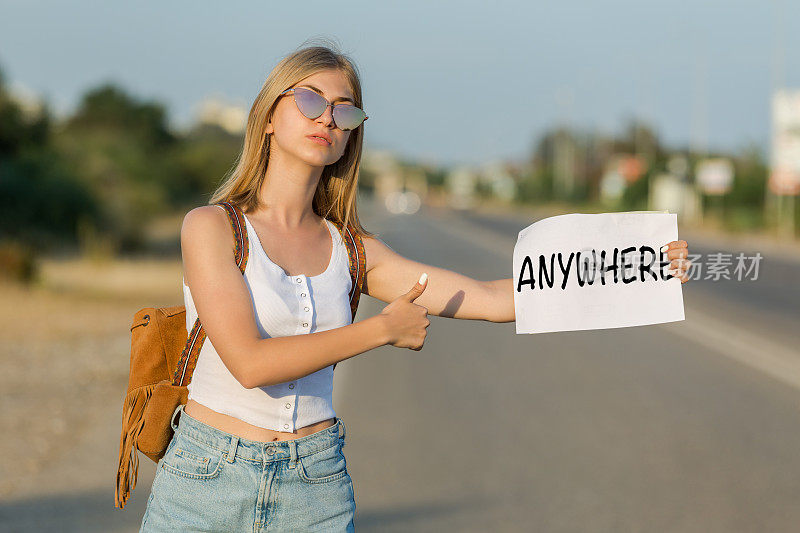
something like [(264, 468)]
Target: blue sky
[(444, 82)]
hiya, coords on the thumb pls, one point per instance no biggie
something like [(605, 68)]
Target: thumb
[(417, 289)]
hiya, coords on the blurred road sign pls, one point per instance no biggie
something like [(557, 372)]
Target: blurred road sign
[(784, 177), (714, 176)]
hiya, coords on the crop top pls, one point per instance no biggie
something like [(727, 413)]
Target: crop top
[(283, 305)]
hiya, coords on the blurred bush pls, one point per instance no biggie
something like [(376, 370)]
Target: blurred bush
[(92, 183)]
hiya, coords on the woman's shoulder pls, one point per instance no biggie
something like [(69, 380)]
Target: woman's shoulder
[(206, 222), (206, 215)]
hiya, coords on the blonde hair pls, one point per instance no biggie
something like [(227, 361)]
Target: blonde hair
[(335, 197)]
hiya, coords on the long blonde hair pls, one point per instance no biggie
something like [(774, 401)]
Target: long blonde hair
[(335, 197)]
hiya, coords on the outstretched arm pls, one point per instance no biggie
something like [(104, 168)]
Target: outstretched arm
[(448, 294), (453, 295)]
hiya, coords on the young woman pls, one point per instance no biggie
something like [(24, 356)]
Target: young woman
[(258, 446)]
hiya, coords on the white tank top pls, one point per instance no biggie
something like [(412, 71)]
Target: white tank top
[(283, 305)]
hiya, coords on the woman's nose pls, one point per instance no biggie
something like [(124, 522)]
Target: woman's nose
[(326, 117)]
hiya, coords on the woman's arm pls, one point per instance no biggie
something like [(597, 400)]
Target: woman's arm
[(282, 359), (503, 290), (448, 294), (454, 295)]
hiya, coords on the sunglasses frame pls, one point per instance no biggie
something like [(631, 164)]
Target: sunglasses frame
[(332, 106)]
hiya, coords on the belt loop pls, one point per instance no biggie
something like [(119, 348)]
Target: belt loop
[(292, 453), (232, 448), (172, 419), (341, 428)]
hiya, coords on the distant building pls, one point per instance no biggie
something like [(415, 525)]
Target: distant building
[(498, 176), (668, 192), (231, 118), (461, 184), (386, 169)]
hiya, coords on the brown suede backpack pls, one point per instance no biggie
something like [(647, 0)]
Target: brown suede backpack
[(163, 359)]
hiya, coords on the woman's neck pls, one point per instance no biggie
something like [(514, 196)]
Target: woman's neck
[(287, 194)]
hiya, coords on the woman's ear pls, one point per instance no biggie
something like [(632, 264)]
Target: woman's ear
[(269, 128)]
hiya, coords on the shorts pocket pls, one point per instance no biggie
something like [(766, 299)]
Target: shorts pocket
[(194, 460), (323, 466)]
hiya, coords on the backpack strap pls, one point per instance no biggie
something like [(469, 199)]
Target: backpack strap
[(357, 263), (197, 336)]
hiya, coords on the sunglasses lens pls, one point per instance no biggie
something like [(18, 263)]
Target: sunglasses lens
[(347, 117), (309, 103)]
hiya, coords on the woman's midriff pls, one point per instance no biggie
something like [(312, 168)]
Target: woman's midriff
[(242, 429)]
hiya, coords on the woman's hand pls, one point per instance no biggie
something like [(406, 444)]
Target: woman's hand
[(406, 321), (678, 251)]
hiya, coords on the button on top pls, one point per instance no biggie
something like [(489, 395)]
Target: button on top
[(288, 406), (305, 308), (305, 324), (270, 449), (303, 295), (286, 426), (298, 280), (291, 385)]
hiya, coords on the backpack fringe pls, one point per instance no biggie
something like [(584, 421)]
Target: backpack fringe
[(132, 422)]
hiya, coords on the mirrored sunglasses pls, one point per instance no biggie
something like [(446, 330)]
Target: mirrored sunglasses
[(312, 105)]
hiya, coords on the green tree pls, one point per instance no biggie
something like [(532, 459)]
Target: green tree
[(40, 200), (122, 150), (203, 158)]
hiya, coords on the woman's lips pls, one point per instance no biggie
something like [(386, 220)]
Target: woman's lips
[(318, 140)]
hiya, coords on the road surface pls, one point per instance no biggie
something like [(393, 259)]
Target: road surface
[(691, 426)]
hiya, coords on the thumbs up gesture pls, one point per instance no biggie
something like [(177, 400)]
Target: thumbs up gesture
[(407, 321)]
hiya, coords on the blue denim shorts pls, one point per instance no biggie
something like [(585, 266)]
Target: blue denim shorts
[(210, 480)]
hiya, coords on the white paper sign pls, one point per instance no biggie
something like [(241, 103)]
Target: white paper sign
[(595, 271)]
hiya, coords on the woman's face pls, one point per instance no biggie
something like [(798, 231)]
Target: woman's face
[(291, 131)]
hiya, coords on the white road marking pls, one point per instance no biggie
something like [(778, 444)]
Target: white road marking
[(739, 344)]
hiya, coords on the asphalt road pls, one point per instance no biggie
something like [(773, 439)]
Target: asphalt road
[(691, 426), (684, 427)]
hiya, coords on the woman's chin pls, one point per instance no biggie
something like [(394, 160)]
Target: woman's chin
[(316, 161)]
